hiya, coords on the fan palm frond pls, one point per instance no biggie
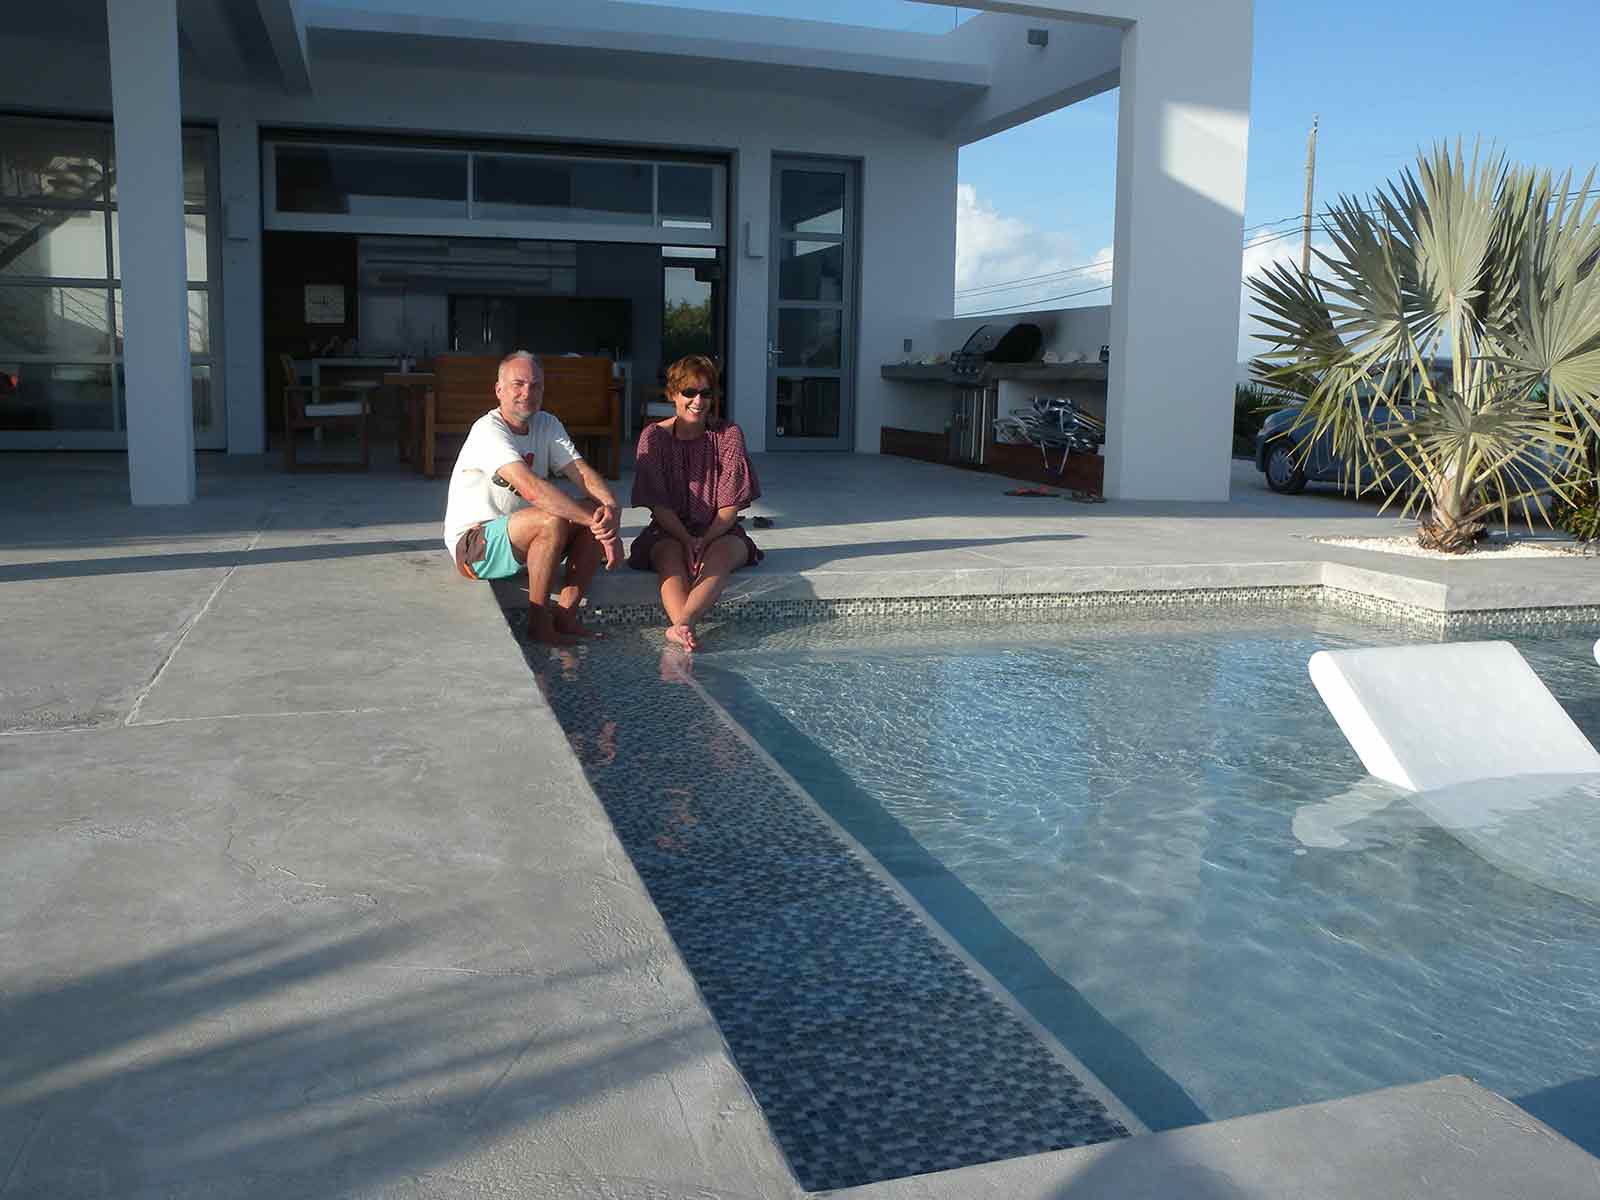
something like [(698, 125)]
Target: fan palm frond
[(1468, 261)]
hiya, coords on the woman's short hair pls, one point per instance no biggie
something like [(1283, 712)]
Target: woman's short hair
[(689, 368)]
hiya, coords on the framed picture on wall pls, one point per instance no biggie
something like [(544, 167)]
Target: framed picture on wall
[(324, 304)]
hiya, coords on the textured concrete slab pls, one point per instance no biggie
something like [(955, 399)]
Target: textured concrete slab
[(1445, 1138), (849, 527), (314, 956), (306, 895)]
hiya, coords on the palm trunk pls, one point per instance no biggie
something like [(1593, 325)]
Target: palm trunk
[(1446, 527)]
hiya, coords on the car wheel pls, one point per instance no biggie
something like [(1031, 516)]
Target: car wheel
[(1284, 475)]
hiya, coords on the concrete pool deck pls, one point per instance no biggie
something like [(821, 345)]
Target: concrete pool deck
[(277, 921)]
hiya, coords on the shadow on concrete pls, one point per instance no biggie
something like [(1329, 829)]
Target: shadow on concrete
[(1572, 1108), (314, 1062), (1153, 1095), (1154, 1169), (206, 560)]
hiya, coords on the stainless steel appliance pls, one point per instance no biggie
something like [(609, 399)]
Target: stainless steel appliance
[(977, 394), (970, 418)]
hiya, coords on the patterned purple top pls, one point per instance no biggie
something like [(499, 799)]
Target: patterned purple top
[(693, 479), (696, 478)]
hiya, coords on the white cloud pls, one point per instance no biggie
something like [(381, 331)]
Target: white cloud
[(1263, 250), (993, 249)]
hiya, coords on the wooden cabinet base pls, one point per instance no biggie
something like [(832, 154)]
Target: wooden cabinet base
[(913, 443), (1083, 472)]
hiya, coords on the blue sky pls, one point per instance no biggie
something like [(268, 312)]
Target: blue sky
[(1384, 76)]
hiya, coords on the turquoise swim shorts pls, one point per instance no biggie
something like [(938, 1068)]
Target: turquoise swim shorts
[(498, 561)]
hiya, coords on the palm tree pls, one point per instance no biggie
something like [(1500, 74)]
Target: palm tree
[(1463, 300)]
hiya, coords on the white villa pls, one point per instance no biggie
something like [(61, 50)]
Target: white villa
[(191, 190)]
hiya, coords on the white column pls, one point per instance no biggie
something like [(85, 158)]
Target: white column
[(747, 333), (239, 150), (155, 311), (1182, 138)]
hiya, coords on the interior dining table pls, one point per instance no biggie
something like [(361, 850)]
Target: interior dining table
[(412, 388)]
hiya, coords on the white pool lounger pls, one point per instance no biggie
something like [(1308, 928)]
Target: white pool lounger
[(1424, 717), (1488, 753)]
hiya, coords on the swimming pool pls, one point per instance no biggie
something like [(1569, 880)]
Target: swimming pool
[(1144, 827)]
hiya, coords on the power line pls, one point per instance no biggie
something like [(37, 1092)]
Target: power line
[(1046, 300), (1008, 284)]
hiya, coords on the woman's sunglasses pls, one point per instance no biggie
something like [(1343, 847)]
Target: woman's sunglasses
[(696, 393)]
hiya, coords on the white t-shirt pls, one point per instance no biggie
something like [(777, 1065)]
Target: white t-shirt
[(491, 444)]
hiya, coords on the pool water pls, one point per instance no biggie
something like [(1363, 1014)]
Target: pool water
[(1145, 828), (1152, 832)]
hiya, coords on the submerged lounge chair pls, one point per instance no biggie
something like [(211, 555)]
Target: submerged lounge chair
[(1488, 753)]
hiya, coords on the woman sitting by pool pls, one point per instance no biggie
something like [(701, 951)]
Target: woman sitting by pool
[(694, 476)]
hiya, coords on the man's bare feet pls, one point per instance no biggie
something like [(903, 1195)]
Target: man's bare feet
[(541, 628), (568, 621), (682, 636)]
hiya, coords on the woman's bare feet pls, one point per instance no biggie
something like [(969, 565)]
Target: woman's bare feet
[(683, 636), (676, 665)]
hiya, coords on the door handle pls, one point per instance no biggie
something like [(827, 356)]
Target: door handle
[(774, 353)]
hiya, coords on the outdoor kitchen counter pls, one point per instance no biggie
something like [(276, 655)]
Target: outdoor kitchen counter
[(1022, 372)]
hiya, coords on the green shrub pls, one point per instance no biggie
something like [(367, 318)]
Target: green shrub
[(1250, 408), (1582, 519)]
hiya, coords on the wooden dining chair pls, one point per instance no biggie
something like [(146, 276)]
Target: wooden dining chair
[(315, 408)]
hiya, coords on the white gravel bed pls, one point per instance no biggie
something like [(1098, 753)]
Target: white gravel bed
[(1495, 546)]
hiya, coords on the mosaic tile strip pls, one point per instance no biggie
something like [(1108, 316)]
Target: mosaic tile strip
[(886, 606), (874, 1051), (1339, 599), (1362, 604)]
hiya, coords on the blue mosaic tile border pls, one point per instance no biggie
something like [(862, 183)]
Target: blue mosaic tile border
[(1337, 599), (874, 1051)]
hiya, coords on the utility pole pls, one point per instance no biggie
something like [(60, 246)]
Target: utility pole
[(1311, 178)]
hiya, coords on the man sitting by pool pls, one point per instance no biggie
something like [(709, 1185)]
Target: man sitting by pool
[(503, 512)]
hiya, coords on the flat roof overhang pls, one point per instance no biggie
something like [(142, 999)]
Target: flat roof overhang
[(633, 41), (963, 84)]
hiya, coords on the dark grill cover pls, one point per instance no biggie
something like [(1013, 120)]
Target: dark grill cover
[(1020, 344)]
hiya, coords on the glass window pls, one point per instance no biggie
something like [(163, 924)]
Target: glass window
[(810, 270), (194, 244), (686, 320), (371, 182), (53, 242), (67, 322), (196, 165), (809, 337), (55, 160), (199, 321), (812, 202), (686, 196), (55, 396), (807, 407), (196, 168), (525, 188)]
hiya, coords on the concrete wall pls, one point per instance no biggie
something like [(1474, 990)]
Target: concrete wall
[(907, 176), (1184, 72)]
